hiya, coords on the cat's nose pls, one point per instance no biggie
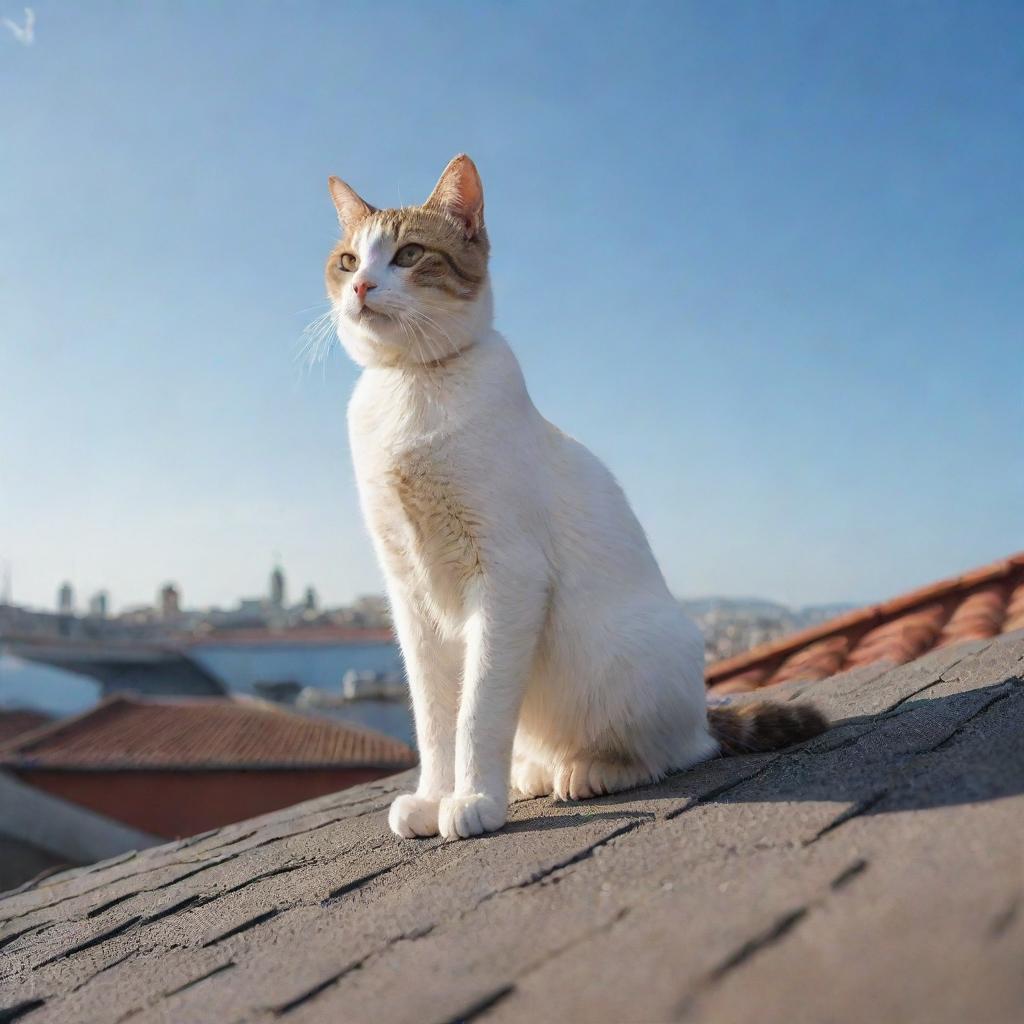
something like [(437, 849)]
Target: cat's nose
[(362, 287)]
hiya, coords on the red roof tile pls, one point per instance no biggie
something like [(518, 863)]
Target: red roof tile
[(975, 605), (133, 733), (16, 723)]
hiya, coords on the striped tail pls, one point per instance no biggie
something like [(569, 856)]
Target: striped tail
[(764, 725)]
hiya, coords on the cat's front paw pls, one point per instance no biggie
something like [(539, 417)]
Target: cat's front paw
[(411, 816), (463, 816)]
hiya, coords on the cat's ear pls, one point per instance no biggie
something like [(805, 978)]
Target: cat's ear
[(460, 192), (351, 207)]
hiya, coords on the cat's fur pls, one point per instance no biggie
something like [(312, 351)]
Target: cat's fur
[(541, 642)]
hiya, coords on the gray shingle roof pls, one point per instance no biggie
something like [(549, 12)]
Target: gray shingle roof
[(874, 873)]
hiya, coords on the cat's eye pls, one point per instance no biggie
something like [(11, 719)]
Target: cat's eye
[(408, 255), (348, 262)]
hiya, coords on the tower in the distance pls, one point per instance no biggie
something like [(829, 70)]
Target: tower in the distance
[(170, 601), (277, 587), (66, 599)]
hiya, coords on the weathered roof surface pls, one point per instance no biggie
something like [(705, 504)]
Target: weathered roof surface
[(132, 733), (874, 873), (976, 605)]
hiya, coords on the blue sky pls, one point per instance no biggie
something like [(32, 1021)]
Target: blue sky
[(765, 259)]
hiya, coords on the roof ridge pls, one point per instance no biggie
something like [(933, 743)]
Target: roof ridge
[(28, 739)]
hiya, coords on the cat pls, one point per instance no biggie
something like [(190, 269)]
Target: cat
[(542, 645)]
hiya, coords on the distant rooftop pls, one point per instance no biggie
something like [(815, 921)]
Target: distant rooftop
[(976, 605), (130, 732), (871, 874), (15, 722)]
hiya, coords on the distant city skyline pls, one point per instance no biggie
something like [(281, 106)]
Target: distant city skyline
[(70, 599), (763, 259)]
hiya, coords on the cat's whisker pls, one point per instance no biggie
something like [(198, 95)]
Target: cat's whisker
[(316, 305), (434, 324), (408, 324), (317, 339), (422, 343), (399, 318), (432, 345)]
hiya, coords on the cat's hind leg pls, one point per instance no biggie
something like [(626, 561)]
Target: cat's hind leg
[(583, 778), (530, 778)]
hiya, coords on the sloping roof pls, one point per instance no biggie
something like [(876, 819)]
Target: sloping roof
[(135, 733), (15, 722), (871, 874), (975, 605), (121, 666)]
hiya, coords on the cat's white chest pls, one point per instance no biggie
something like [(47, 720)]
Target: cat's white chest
[(420, 511)]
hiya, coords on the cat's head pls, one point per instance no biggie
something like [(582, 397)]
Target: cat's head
[(409, 286)]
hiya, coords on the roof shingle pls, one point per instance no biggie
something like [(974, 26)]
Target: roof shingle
[(870, 874)]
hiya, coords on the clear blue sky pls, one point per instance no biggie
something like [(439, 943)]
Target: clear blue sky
[(766, 259)]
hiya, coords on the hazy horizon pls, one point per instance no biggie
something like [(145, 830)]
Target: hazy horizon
[(295, 595), (764, 260)]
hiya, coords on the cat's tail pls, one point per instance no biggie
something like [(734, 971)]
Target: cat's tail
[(764, 725)]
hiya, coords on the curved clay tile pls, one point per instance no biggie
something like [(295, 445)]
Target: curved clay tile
[(818, 661), (979, 616), (1015, 608), (744, 682), (977, 604)]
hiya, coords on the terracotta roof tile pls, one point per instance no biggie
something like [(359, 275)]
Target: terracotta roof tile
[(816, 661), (134, 733), (1015, 609), (901, 639), (982, 603), (16, 723), (977, 617), (742, 683)]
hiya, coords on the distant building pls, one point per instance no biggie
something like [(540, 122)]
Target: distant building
[(365, 685), (309, 600), (372, 611), (170, 601), (277, 587), (217, 760), (66, 599), (120, 665), (98, 604)]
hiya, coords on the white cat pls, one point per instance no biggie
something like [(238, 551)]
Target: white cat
[(541, 642)]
